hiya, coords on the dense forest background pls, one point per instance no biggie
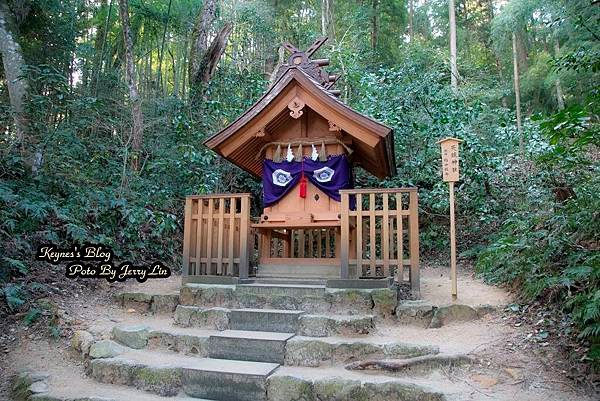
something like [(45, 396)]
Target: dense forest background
[(104, 105)]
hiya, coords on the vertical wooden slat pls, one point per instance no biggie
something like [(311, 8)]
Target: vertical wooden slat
[(328, 240), (199, 231), (319, 244), (232, 234), (392, 242), (344, 237), (414, 244), (209, 236), (187, 226), (372, 234), (287, 243), (359, 234), (244, 231), (385, 236), (301, 243), (221, 227), (311, 245), (399, 237)]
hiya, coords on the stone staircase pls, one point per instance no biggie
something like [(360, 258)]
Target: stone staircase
[(254, 342)]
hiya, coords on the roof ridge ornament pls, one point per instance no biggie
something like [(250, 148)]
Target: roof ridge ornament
[(311, 67)]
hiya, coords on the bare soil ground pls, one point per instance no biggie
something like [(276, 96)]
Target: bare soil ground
[(513, 360)]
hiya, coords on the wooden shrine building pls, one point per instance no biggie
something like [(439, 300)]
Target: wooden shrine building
[(304, 144)]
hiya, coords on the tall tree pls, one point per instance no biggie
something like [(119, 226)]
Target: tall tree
[(204, 58), (453, 66), (374, 24), (12, 60), (411, 16), (517, 83), (559, 93), (327, 18), (136, 102)]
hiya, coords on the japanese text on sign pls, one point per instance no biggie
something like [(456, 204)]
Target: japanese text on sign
[(450, 165)]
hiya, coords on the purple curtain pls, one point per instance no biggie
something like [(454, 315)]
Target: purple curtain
[(329, 176)]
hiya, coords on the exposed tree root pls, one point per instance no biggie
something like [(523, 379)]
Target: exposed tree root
[(421, 363)]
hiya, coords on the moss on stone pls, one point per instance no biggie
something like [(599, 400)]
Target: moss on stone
[(289, 388)]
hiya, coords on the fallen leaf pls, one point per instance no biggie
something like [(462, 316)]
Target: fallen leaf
[(514, 373), (485, 381)]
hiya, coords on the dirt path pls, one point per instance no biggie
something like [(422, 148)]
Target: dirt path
[(509, 364)]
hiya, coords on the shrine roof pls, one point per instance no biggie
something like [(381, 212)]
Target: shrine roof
[(242, 140)]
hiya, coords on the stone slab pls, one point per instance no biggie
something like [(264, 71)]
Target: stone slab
[(283, 321), (255, 346), (330, 325), (168, 374)]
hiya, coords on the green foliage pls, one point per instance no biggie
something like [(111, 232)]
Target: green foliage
[(549, 245), (531, 223)]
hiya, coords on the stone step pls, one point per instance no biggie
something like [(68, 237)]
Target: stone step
[(168, 374), (291, 383), (314, 298), (289, 290), (275, 320), (313, 352), (257, 346), (335, 325)]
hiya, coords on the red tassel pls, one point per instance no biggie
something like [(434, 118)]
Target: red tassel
[(303, 181)]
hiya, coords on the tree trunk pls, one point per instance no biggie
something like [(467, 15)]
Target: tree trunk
[(517, 94), (559, 93), (136, 102), (100, 44), (327, 18), (501, 75), (12, 60), (162, 84), (453, 66), (411, 15), (204, 59), (374, 25)]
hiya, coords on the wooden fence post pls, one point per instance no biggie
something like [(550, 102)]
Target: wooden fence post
[(345, 237), (414, 244), (244, 236), (187, 226)]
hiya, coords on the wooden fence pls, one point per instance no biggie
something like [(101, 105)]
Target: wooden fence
[(381, 235), (216, 235)]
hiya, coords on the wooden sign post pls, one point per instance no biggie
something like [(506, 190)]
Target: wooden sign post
[(450, 174)]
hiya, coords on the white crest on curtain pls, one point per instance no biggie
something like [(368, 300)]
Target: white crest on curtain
[(324, 174), (281, 177)]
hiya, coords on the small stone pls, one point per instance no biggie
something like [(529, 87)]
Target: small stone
[(39, 387), (132, 336), (105, 349), (452, 313), (131, 310), (82, 341)]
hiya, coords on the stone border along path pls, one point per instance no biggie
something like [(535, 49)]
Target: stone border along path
[(257, 343)]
